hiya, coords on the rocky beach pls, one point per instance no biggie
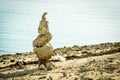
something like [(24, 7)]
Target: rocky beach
[(89, 62)]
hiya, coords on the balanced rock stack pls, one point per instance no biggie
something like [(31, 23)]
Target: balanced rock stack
[(42, 47)]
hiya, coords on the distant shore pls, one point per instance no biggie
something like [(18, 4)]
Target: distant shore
[(85, 62)]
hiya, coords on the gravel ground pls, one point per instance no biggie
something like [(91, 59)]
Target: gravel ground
[(89, 62)]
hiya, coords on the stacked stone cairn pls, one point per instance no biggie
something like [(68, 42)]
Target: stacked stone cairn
[(42, 47)]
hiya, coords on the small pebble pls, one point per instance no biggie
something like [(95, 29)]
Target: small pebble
[(42, 67)]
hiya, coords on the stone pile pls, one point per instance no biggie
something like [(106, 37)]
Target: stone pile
[(42, 47)]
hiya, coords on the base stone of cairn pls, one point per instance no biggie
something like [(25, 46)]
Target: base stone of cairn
[(42, 47), (45, 52)]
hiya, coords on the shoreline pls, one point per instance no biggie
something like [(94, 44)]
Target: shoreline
[(84, 62), (60, 48)]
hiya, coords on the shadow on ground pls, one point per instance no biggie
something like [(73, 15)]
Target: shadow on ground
[(18, 73)]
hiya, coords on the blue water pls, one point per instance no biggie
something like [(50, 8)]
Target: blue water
[(72, 22)]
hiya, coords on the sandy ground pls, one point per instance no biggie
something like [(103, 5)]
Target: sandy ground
[(89, 62)]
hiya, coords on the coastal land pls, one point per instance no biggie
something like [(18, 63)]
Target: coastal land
[(89, 62)]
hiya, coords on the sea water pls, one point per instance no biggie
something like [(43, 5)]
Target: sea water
[(71, 22)]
